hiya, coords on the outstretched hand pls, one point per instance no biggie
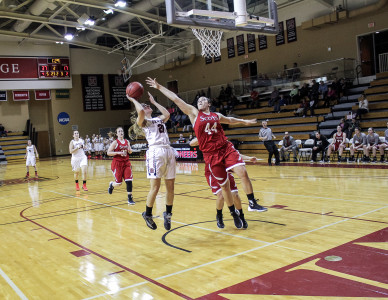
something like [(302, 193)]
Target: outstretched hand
[(152, 82), (152, 100), (252, 121), (130, 98)]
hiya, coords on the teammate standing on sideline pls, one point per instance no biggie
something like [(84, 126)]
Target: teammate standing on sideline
[(219, 154), (267, 137), (30, 157), (121, 166), (79, 161), (160, 157)]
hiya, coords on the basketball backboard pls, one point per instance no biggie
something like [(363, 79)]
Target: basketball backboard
[(225, 15)]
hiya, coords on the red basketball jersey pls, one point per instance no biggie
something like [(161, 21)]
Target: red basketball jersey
[(339, 138), (208, 129), (120, 147)]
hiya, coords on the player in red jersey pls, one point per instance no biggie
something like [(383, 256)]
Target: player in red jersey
[(219, 154), (338, 144), (121, 166)]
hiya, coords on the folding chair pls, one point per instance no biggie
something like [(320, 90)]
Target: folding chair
[(306, 151)]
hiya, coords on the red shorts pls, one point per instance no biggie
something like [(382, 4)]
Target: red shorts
[(121, 169), (336, 146), (214, 185), (225, 159)]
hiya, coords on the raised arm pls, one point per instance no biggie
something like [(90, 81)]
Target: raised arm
[(165, 114), (187, 109), (140, 112), (231, 120)]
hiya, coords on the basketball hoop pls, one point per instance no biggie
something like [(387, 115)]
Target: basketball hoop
[(210, 41), (126, 70)]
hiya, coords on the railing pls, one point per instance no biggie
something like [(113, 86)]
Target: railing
[(383, 62)]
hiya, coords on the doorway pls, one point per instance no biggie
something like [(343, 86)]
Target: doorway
[(372, 47), (248, 74)]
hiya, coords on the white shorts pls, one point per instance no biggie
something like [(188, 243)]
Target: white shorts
[(78, 162), (160, 162), (31, 161)]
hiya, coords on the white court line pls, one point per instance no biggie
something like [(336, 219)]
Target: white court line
[(13, 286), (244, 252)]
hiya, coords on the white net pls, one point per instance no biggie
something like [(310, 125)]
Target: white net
[(210, 41)]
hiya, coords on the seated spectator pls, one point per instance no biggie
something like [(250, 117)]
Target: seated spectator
[(274, 97), (191, 137), (174, 122), (359, 142), (181, 139), (311, 106), (223, 110), (304, 91), (302, 108), (221, 96), (323, 90), (352, 126), (294, 94), (331, 97), (338, 144), (372, 142), (254, 100), (363, 106), (186, 123), (278, 104), (228, 90), (320, 145), (314, 92), (288, 144), (3, 133)]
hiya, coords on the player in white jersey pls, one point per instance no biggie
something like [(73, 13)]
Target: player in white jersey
[(79, 161), (160, 155), (30, 157)]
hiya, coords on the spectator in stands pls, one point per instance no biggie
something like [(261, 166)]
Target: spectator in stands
[(228, 91), (363, 106), (181, 139), (358, 142), (331, 97), (187, 123), (288, 144), (178, 119), (267, 137), (3, 133), (352, 126), (222, 110), (372, 141), (279, 103), (274, 96), (323, 90), (222, 95), (304, 91), (191, 137), (335, 84), (338, 144), (314, 92), (311, 106), (294, 94), (320, 145), (254, 100), (302, 107)]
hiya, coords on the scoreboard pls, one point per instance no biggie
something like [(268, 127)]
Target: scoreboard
[(53, 68)]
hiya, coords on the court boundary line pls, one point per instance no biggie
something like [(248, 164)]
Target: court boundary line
[(13, 285)]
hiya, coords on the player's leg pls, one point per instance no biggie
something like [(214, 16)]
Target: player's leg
[(170, 183), (128, 178), (84, 169), (147, 215)]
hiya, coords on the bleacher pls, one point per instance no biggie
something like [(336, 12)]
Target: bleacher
[(14, 146)]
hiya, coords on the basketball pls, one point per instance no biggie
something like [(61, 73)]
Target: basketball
[(135, 90)]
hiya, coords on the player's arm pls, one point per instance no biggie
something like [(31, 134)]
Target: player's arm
[(187, 109), (111, 149), (194, 142), (343, 139), (25, 156), (165, 114), (36, 152), (129, 150), (139, 109), (72, 149), (231, 120), (248, 158)]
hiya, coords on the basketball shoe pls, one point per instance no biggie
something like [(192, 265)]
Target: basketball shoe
[(242, 217), (149, 221), (254, 206), (84, 187), (167, 220), (110, 188), (220, 221), (77, 186), (130, 200), (237, 221)]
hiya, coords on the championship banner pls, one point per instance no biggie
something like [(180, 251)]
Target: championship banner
[(42, 95), (118, 98), (263, 42), (21, 95), (208, 60), (230, 47), (251, 42), (217, 58), (240, 44), (93, 92), (3, 95), (280, 36), (291, 30)]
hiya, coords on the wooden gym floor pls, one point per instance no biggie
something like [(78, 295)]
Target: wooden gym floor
[(324, 236)]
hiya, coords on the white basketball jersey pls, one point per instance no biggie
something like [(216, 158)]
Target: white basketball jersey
[(77, 144), (156, 132), (30, 151)]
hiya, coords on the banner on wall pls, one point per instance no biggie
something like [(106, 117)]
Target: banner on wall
[(230, 47), (217, 58), (42, 95), (62, 94), (240, 44), (21, 95), (93, 92), (251, 38), (117, 87), (208, 60), (263, 42), (3, 95), (291, 30), (280, 36)]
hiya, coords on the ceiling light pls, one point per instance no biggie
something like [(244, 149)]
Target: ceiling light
[(69, 36), (108, 11), (120, 3), (90, 21), (59, 43), (81, 28)]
